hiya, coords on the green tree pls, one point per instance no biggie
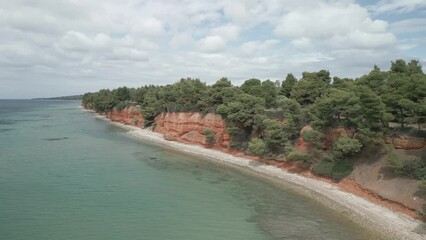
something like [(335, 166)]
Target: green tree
[(287, 85), (337, 108), (399, 66), (269, 93), (309, 88), (253, 87), (345, 146), (375, 80), (242, 113), (315, 138), (122, 93), (257, 147), (210, 137)]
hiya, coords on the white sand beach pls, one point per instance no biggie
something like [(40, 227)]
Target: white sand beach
[(377, 218)]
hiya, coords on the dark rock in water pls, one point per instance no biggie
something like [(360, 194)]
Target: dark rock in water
[(152, 158), (55, 139)]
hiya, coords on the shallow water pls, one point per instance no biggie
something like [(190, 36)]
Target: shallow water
[(67, 175)]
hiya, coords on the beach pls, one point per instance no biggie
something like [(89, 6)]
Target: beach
[(391, 224)]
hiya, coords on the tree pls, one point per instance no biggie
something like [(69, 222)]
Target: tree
[(292, 112), (122, 94), (309, 88), (287, 85), (373, 109), (414, 67), (210, 137), (375, 80), (345, 146), (399, 66), (315, 138), (242, 113), (269, 93), (253, 87), (337, 108), (257, 147)]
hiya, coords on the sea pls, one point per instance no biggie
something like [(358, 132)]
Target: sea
[(65, 174)]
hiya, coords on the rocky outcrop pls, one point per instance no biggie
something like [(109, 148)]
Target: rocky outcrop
[(189, 128), (129, 116), (406, 142)]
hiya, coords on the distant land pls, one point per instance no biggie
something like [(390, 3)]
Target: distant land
[(72, 97)]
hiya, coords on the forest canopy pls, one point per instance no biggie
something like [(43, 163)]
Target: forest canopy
[(265, 117)]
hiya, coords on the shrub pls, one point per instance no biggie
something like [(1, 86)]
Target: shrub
[(346, 146), (304, 158), (324, 168), (336, 170), (210, 137), (315, 138), (341, 169), (394, 161), (122, 105), (415, 169), (257, 147)]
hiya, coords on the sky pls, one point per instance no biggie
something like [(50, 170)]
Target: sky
[(65, 47)]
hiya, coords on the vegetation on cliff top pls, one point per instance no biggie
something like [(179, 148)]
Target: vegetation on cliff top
[(265, 117)]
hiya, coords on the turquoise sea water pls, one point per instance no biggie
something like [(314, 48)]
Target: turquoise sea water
[(66, 175)]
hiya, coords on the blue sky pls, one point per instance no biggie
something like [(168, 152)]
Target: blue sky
[(65, 47)]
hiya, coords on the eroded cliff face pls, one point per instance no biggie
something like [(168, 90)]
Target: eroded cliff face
[(189, 128), (406, 142), (129, 116)]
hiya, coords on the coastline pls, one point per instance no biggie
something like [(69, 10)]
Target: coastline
[(379, 219)]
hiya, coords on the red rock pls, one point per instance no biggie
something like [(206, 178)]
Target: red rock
[(129, 116), (408, 143), (189, 127)]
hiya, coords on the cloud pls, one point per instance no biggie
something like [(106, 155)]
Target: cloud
[(336, 25), (182, 39), (150, 27), (413, 25), (50, 47), (302, 43), (255, 47), (211, 44), (399, 6), (236, 11), (228, 32)]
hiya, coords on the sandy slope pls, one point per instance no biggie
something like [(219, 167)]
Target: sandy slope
[(375, 217)]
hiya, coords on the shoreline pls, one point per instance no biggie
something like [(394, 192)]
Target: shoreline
[(378, 219)]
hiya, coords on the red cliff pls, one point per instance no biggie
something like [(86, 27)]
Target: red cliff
[(406, 142), (189, 128), (129, 116)]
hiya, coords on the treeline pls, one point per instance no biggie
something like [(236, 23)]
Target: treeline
[(265, 117), (72, 97)]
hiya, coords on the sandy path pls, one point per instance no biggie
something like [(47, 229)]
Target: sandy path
[(370, 215)]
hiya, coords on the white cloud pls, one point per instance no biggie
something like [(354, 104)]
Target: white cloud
[(181, 40), (336, 25), (150, 27), (302, 43), (211, 44), (255, 47), (400, 6), (228, 32), (74, 46), (413, 25), (236, 11)]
